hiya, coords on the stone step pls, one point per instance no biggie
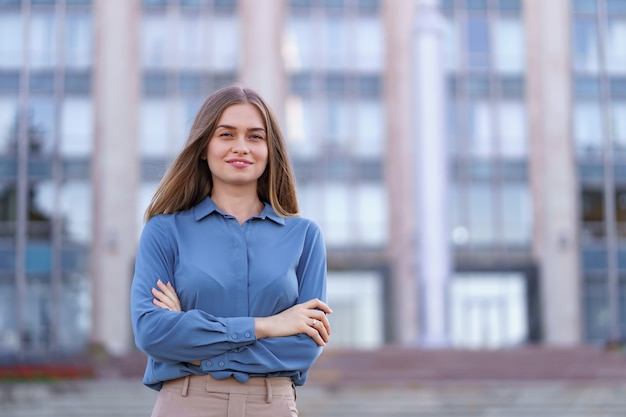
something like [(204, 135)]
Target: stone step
[(128, 398)]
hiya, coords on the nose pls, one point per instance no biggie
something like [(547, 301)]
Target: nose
[(240, 146)]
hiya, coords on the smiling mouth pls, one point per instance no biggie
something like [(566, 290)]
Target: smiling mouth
[(239, 163)]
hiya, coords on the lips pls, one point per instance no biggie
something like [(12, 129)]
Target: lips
[(239, 163)]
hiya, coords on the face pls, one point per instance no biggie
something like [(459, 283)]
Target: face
[(237, 152)]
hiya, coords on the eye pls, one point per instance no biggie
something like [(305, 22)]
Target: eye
[(225, 134), (256, 137)]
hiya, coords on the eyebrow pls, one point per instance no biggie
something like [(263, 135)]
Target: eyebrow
[(252, 129)]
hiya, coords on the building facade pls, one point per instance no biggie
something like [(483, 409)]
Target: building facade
[(519, 104)]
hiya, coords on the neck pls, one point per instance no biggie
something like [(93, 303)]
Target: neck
[(242, 205)]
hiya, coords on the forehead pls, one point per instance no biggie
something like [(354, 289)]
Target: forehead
[(243, 114)]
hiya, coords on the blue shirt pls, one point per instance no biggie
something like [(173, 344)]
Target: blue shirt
[(225, 274)]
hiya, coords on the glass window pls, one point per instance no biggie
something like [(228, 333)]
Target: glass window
[(516, 211), (481, 213), (300, 128), (477, 42), (77, 127), (585, 48), (9, 338), (41, 128), (154, 41), (298, 47), (369, 44), (43, 49), (335, 47), (512, 126), (10, 40), (587, 126), (76, 208), (78, 40), (616, 45), (336, 199), (154, 128), (451, 45), (619, 124), (144, 196), (370, 129), (509, 45), (372, 214), (225, 43), (8, 124), (190, 41), (338, 121), (480, 129)]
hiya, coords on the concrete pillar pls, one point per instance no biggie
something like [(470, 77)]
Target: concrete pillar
[(261, 61), (399, 171), (115, 168), (552, 168), (430, 164)]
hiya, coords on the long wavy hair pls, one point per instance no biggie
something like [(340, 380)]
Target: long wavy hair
[(188, 180)]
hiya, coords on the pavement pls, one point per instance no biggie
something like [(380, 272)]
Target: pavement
[(389, 382)]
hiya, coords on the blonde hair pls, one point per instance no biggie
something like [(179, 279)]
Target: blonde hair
[(188, 180)]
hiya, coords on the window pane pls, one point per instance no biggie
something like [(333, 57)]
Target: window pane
[(77, 211), (43, 49), (478, 42), (587, 126), (480, 129), (585, 48), (512, 126), (481, 214), (77, 127), (190, 41), (224, 43), (516, 214), (154, 41), (10, 40), (8, 124), (154, 128), (298, 48), (336, 200), (619, 124), (369, 44), (335, 44), (509, 46), (372, 214), (78, 40), (41, 128), (300, 127), (451, 47), (616, 45), (369, 127)]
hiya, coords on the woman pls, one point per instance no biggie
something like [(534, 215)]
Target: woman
[(227, 297)]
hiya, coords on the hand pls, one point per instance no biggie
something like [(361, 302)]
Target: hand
[(165, 297), (307, 318)]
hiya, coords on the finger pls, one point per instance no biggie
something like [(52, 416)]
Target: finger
[(316, 303), (322, 330), (321, 318), (315, 335), (160, 304), (176, 299), (167, 289), (163, 298)]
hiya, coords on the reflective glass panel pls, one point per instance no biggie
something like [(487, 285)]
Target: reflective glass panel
[(43, 45), (512, 127), (585, 47), (77, 127), (587, 126), (616, 45), (508, 38), (10, 40)]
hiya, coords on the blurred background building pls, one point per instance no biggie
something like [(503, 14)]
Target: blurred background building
[(525, 101)]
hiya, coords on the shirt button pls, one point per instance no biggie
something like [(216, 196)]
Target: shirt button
[(247, 334), (221, 364), (234, 335), (209, 363)]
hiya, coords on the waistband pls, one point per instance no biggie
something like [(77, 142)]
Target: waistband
[(268, 387)]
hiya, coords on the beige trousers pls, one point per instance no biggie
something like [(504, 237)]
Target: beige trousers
[(205, 396)]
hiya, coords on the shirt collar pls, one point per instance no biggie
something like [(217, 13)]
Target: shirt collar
[(207, 206)]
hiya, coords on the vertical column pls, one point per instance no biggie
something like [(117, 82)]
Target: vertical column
[(115, 168), (399, 170), (431, 168), (552, 168), (262, 68)]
